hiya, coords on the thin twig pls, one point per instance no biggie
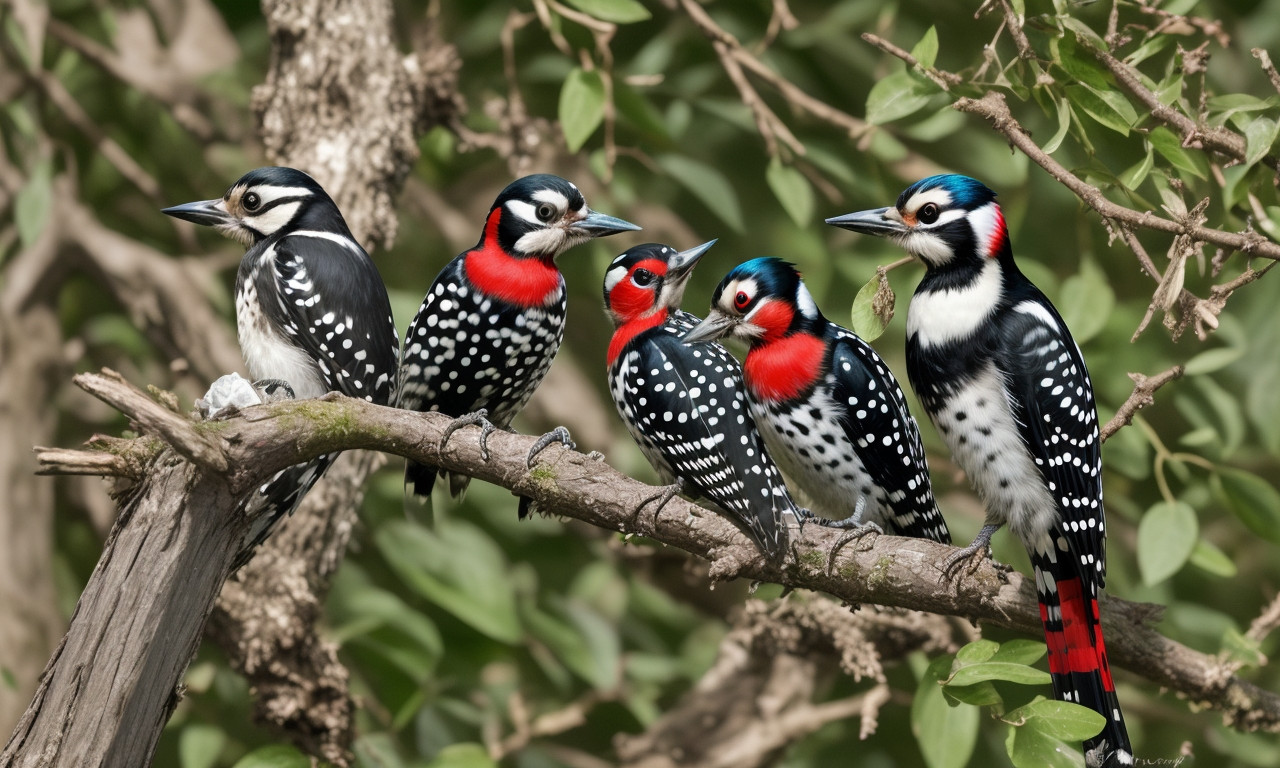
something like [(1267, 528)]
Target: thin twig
[(1144, 388), (941, 78), (1265, 59)]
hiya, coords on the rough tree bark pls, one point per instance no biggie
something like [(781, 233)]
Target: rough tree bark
[(103, 703), (342, 103)]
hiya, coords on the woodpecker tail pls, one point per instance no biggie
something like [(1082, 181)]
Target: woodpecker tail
[(1077, 653), (276, 499)]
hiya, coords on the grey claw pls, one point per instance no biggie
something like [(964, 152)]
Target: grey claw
[(477, 418), (557, 435)]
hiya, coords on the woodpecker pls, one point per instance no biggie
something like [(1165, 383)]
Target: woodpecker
[(684, 403), (492, 321), (830, 411), (311, 310), (1001, 377)]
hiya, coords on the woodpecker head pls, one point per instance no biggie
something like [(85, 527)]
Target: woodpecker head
[(647, 279), (263, 202), (760, 300), (941, 220), (543, 216)]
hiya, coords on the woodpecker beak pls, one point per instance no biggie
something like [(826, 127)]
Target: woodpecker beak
[(716, 326), (596, 224), (881, 222), (680, 266), (210, 213)]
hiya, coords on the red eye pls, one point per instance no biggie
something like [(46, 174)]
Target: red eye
[(741, 300)]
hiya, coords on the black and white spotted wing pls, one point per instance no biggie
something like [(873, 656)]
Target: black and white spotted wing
[(323, 284), (1054, 407), (465, 351), (685, 406), (885, 435)]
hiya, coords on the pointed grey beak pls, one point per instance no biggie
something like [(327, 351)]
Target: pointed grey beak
[(716, 326), (602, 225), (209, 213), (873, 222), (681, 265)]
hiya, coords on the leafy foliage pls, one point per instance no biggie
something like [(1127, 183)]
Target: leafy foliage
[(459, 637)]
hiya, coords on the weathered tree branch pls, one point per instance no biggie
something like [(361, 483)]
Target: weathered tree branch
[(888, 570), (1144, 390)]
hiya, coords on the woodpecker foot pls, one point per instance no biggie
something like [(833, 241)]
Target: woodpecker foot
[(479, 418), (557, 435), (855, 529), (969, 558), (274, 390), (664, 494)]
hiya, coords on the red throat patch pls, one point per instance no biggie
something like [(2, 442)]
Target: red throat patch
[(629, 330), (524, 282), (783, 368)]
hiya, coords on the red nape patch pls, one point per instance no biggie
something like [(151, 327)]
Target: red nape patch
[(628, 331), (998, 235), (784, 368), (524, 282), (1072, 648)]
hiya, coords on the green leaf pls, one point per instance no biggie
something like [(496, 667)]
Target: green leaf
[(1086, 301), (1135, 175), (1099, 108), (895, 97), (1081, 65), (1060, 719), (1166, 536), (1258, 138), (978, 650), (274, 756), (33, 202), (1170, 148), (581, 107), (983, 694), (707, 184), (463, 756), (1020, 651), (458, 568), (199, 745), (637, 110), (1209, 558), (1255, 501), (946, 734), (866, 323), (1212, 360), (792, 190), (1064, 124), (999, 670), (617, 11), (1263, 402), (926, 51)]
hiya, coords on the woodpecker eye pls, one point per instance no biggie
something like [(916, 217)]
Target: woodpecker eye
[(643, 277), (928, 213), (546, 212), (741, 301), (251, 201)]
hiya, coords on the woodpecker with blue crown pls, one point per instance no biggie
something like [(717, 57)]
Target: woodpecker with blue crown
[(831, 412), (312, 312), (684, 403), (997, 370), (492, 321)]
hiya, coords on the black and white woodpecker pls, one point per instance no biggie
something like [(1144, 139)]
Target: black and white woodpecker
[(998, 372), (492, 321), (311, 309)]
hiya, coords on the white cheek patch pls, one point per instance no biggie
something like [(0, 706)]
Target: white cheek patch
[(926, 246), (805, 303), (272, 219), (937, 195), (543, 241), (613, 277)]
